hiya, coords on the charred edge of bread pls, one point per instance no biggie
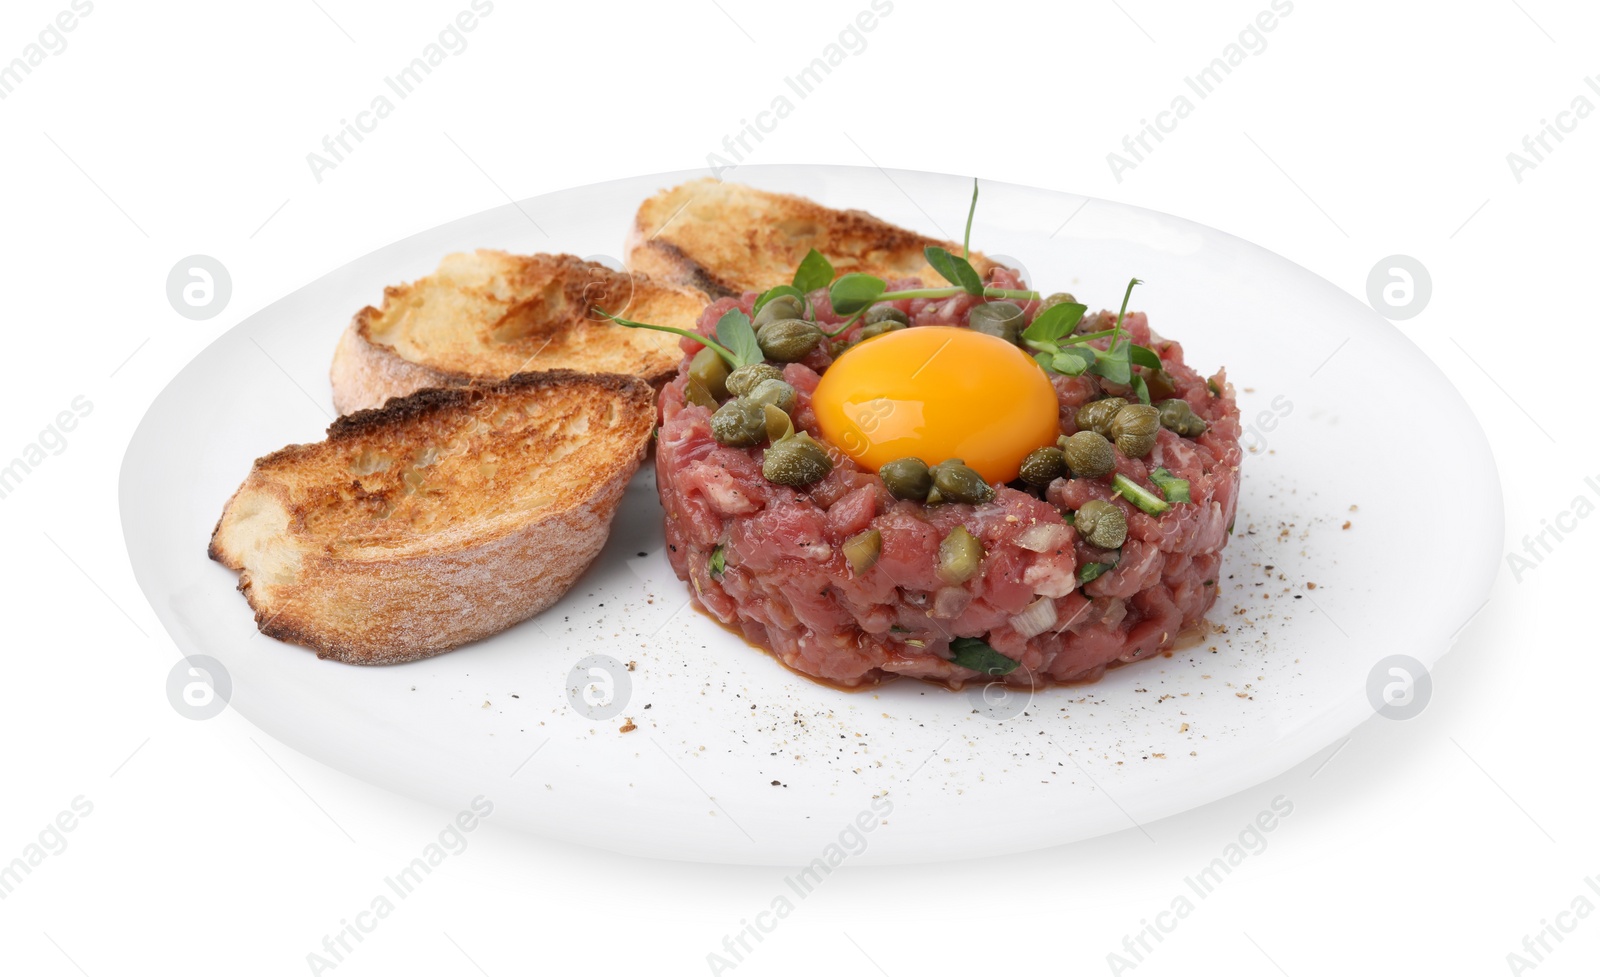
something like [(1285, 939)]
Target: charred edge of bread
[(691, 272), (420, 404)]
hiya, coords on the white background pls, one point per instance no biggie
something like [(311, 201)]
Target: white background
[(1362, 130)]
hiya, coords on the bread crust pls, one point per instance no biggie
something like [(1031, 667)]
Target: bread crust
[(742, 239), (368, 607), (549, 293)]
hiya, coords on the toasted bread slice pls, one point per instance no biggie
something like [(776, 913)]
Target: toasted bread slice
[(486, 315), (439, 519), (728, 238)]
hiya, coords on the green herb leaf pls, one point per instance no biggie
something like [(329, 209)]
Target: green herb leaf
[(1072, 361), (1113, 365), (717, 564), (1044, 358), (1090, 571), (972, 208), (734, 332), (1141, 497), (1055, 322), (1143, 356), (1141, 388), (956, 271), (814, 272), (1173, 488), (854, 292), (776, 291), (977, 655)]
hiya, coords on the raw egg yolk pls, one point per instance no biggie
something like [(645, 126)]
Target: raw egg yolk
[(935, 393)]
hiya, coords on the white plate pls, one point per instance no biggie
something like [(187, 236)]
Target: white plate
[(736, 759)]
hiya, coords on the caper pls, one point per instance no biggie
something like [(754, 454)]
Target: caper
[(863, 550), (1043, 466), (907, 478), (788, 340), (955, 482), (745, 378), (1088, 455), (959, 556), (837, 347), (1096, 415), (1002, 319), (880, 327), (1134, 429), (774, 392), (884, 313), (1178, 417), (796, 461), (1058, 298), (782, 307), (1158, 383), (1101, 524), (696, 394), (739, 424), (710, 370)]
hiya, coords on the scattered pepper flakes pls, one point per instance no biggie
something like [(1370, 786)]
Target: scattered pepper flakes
[(1184, 728), (1310, 585), (1346, 524), (632, 666), (627, 725)]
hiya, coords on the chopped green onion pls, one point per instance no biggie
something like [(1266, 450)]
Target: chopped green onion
[(1141, 497), (1172, 488), (718, 563)]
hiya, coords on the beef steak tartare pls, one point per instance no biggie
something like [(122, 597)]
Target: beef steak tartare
[(1082, 559)]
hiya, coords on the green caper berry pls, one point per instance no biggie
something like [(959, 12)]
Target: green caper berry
[(780, 308), (1177, 416), (955, 482), (1096, 415), (739, 424), (1057, 298), (1101, 524), (1088, 455), (710, 370), (743, 380), (1002, 319), (839, 347), (907, 478), (872, 329), (885, 313), (1134, 429), (789, 340), (774, 392), (1043, 466), (796, 461)]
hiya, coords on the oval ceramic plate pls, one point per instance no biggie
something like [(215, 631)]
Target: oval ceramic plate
[(734, 759)]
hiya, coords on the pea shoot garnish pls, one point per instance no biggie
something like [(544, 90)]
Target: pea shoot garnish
[(1058, 350), (735, 342)]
